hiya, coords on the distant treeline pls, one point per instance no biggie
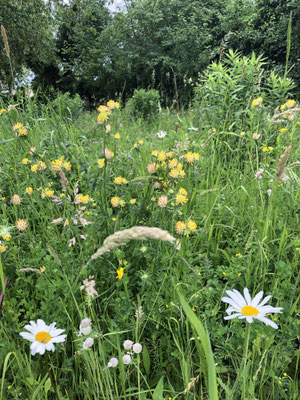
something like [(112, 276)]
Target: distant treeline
[(82, 48)]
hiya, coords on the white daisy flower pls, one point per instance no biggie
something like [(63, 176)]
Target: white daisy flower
[(245, 307), (161, 134), (42, 336)]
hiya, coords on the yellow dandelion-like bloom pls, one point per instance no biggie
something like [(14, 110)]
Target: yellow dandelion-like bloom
[(21, 225), (42, 165), (140, 142), (181, 199), (34, 168), (122, 203), (101, 163), (25, 161), (290, 103), (120, 273), (115, 201), (173, 163), (132, 201), (283, 130), (111, 104), (67, 165), (257, 102), (117, 136), (180, 227), (109, 154), (48, 192), (183, 191), (102, 117), (7, 237), (162, 201), (155, 153), (120, 181), (161, 156), (29, 190), (2, 248), (84, 199), (192, 226), (152, 168)]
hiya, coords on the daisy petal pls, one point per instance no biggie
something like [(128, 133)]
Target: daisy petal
[(27, 336), (265, 300), (257, 298), (239, 297), (232, 316), (231, 302), (268, 322), (58, 339), (247, 296)]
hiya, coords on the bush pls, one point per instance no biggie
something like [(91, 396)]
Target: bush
[(227, 88), (67, 107), (144, 103)]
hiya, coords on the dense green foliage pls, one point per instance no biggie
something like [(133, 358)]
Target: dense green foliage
[(81, 48), (76, 182)]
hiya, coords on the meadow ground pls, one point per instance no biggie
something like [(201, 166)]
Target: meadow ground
[(225, 197)]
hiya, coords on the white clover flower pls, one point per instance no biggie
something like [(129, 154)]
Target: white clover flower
[(42, 336), (88, 343), (137, 348), (112, 363), (128, 344), (250, 309), (126, 359)]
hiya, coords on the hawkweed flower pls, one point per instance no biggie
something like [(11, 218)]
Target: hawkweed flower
[(42, 336), (101, 163), (257, 102), (25, 161), (29, 190), (243, 307)]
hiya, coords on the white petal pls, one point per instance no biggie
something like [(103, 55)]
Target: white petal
[(42, 326), (231, 302), (41, 349), (249, 319), (265, 300), (56, 332), (31, 329), (267, 322), (270, 309), (27, 336), (50, 346), (257, 298), (239, 298), (247, 296), (232, 316), (58, 339)]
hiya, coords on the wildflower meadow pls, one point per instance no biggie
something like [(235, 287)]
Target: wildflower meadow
[(152, 256)]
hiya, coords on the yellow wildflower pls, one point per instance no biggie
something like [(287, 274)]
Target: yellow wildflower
[(101, 163), (48, 192), (29, 190), (120, 273), (120, 181), (7, 237), (84, 199), (290, 103), (257, 102), (21, 224), (180, 227), (117, 136), (115, 201), (111, 104), (25, 161), (34, 168), (2, 248), (109, 154), (155, 153), (181, 199), (2, 111), (132, 201), (192, 226), (152, 168)]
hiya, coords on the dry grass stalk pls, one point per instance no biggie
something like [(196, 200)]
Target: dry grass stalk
[(29, 269), (135, 233), (208, 139), (208, 191), (294, 164), (282, 163), (55, 256), (191, 384), (288, 114), (63, 180), (7, 49)]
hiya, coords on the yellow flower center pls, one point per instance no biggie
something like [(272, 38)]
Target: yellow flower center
[(43, 337), (249, 311)]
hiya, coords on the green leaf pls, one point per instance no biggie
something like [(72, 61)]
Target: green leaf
[(158, 392), (146, 360)]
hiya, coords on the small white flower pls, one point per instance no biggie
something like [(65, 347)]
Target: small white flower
[(128, 344), (85, 322), (192, 129), (126, 359), (42, 336), (269, 192), (161, 134), (85, 330), (245, 307), (137, 348), (112, 363), (88, 343)]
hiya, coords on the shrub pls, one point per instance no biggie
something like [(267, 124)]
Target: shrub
[(144, 103)]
